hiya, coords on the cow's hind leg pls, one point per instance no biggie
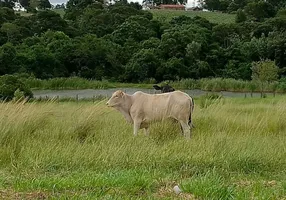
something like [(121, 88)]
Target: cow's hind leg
[(145, 126), (147, 131), (182, 130), (191, 124), (186, 129)]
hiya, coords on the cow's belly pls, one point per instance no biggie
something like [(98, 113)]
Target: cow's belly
[(155, 116)]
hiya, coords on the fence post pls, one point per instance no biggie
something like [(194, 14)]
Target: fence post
[(76, 97)]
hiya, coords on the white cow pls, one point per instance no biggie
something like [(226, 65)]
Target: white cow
[(140, 108)]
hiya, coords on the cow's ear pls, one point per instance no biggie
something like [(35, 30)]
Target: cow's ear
[(121, 93), (156, 87)]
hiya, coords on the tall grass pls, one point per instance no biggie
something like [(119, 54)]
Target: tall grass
[(85, 150), (228, 84), (214, 84), (75, 83)]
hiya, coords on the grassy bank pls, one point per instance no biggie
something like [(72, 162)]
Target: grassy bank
[(215, 17), (85, 150), (216, 84)]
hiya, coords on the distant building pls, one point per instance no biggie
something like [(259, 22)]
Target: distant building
[(171, 7), (18, 7)]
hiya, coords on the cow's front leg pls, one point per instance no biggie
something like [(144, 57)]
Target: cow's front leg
[(136, 128)]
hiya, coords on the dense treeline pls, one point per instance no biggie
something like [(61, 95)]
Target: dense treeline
[(121, 42)]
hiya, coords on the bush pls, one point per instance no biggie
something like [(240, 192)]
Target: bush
[(240, 16), (9, 84)]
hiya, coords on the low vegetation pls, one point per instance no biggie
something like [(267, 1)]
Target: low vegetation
[(216, 84), (86, 150)]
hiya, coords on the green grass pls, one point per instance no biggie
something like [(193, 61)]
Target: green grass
[(23, 14), (68, 150), (59, 11), (214, 17)]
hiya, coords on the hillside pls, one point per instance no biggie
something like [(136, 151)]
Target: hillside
[(215, 17)]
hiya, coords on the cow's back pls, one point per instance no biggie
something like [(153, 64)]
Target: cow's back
[(159, 106)]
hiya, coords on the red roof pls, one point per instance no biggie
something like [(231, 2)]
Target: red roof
[(172, 6)]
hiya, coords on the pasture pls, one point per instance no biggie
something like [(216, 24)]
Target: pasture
[(84, 150), (214, 17)]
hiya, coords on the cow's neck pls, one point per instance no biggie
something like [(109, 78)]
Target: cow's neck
[(125, 108)]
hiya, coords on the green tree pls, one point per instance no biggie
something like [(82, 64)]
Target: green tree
[(6, 15), (221, 5), (281, 13), (24, 3), (136, 27), (276, 48), (49, 20), (7, 3), (175, 40), (264, 72), (259, 10), (44, 4), (142, 65), (173, 69), (240, 16), (33, 4), (7, 57), (11, 30), (74, 8), (95, 57)]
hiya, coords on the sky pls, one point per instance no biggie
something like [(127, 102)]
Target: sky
[(55, 2)]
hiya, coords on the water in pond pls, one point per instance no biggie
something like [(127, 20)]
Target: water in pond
[(90, 93)]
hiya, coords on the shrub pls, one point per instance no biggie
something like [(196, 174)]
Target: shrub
[(9, 84)]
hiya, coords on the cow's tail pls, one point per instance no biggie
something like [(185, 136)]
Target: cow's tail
[(192, 102)]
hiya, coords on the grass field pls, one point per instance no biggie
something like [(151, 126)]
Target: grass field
[(214, 17), (87, 151)]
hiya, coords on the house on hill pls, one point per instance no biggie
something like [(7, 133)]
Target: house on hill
[(18, 7), (171, 7)]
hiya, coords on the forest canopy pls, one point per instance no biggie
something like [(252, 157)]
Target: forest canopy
[(122, 42)]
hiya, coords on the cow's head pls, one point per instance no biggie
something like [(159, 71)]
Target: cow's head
[(164, 89), (116, 99), (167, 88)]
